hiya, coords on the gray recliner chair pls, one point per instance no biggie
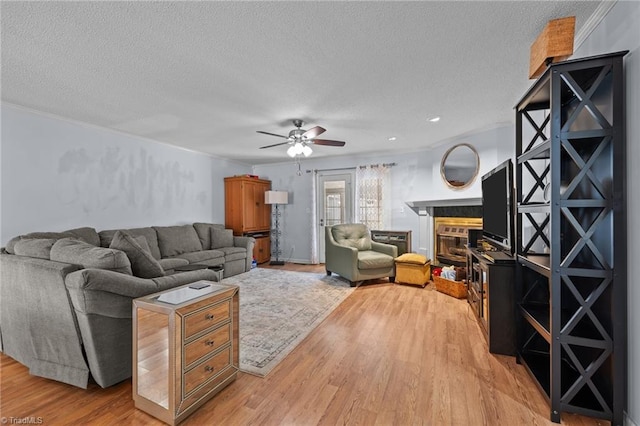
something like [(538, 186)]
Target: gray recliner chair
[(350, 253)]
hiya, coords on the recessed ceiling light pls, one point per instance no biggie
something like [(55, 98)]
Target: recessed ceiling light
[(392, 138), (434, 119)]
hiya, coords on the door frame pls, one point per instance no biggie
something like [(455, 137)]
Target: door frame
[(347, 175)]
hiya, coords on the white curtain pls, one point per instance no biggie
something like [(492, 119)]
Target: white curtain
[(373, 200)]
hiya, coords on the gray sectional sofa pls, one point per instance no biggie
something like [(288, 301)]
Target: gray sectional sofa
[(66, 297)]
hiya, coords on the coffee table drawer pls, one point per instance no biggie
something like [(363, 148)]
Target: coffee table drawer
[(206, 344), (205, 318), (207, 370)]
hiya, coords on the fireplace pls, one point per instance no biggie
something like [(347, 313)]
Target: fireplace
[(457, 213), (451, 238)]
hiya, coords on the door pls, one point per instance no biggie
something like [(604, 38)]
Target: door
[(335, 197)]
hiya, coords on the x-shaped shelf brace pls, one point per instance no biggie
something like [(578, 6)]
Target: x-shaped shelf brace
[(606, 344), (585, 98)]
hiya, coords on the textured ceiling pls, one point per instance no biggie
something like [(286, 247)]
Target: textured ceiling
[(207, 75)]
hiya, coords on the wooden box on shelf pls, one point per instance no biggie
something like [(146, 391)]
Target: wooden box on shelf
[(457, 289), (555, 44)]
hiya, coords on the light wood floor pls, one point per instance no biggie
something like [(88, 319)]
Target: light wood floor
[(388, 355)]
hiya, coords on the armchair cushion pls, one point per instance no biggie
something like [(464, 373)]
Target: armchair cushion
[(369, 259), (354, 235)]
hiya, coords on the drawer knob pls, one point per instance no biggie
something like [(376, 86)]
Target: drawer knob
[(209, 316), (209, 342), (208, 369)]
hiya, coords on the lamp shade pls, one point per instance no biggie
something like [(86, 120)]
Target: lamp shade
[(276, 197)]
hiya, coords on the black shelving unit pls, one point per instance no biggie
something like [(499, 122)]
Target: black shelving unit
[(571, 237)]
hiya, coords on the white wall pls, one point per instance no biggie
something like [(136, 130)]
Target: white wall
[(620, 30), (59, 174), (416, 177)]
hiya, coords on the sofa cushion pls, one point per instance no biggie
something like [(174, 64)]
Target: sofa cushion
[(204, 233), (148, 233), (38, 235), (87, 234), (369, 259), (70, 250), (143, 264), (199, 256), (175, 240), (221, 238), (353, 235), (234, 253), (172, 262), (35, 247)]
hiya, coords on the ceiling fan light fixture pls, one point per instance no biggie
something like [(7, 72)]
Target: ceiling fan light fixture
[(307, 151), (300, 140)]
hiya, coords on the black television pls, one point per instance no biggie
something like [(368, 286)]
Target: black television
[(497, 206)]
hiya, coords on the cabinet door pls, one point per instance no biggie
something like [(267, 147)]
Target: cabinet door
[(263, 211), (251, 205), (262, 249), (256, 213)]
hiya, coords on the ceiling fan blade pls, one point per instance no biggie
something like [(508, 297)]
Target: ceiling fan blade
[(313, 132), (275, 144), (272, 134), (327, 142)]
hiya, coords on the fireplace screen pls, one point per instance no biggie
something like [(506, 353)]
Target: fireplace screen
[(452, 237)]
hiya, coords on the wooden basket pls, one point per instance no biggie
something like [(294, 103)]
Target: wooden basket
[(457, 289)]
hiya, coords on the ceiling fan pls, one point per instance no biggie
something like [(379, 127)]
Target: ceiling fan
[(300, 139)]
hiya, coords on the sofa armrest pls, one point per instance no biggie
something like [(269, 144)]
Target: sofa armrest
[(128, 285), (182, 278), (39, 327), (245, 242), (248, 243), (389, 249)]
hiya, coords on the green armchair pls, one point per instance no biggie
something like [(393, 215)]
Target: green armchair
[(350, 253)]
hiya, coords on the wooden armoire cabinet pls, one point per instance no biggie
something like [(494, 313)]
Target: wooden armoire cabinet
[(247, 214)]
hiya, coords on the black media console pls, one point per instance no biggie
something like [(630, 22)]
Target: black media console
[(490, 292)]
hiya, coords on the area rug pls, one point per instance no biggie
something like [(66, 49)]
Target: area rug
[(278, 309)]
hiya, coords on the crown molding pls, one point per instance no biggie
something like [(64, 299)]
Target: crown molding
[(596, 17)]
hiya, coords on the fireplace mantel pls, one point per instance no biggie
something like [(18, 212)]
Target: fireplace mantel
[(416, 206)]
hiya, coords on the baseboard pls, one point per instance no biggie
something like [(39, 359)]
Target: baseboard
[(301, 261)]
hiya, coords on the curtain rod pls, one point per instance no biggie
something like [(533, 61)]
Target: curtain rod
[(352, 168)]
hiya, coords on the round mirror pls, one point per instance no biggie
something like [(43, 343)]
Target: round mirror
[(460, 166)]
